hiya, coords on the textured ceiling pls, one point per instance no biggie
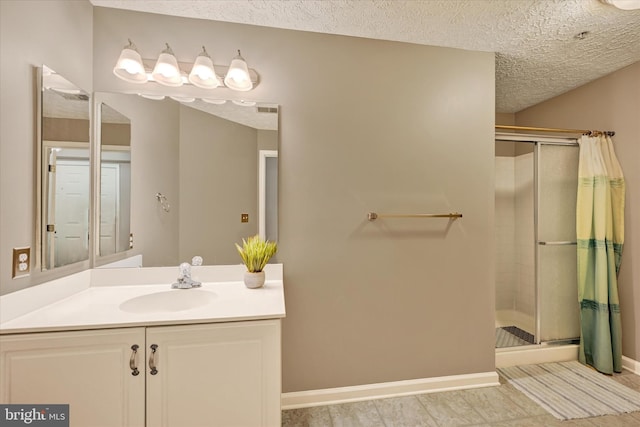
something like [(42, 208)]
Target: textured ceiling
[(537, 53)]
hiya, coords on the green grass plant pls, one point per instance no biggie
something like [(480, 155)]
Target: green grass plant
[(256, 252)]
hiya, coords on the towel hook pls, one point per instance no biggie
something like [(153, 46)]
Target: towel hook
[(164, 203)]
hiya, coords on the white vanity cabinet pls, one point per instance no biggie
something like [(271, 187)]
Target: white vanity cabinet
[(89, 370), (224, 374), (217, 374)]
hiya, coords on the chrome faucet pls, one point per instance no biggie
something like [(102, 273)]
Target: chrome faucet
[(184, 280)]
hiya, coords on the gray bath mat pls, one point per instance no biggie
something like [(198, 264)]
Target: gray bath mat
[(570, 390)]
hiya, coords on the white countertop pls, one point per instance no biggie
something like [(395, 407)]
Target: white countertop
[(93, 299)]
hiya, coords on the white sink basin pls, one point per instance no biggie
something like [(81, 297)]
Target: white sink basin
[(168, 301)]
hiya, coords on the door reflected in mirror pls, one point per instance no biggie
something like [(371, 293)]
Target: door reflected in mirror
[(64, 170), (115, 181)]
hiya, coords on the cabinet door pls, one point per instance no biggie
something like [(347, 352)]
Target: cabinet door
[(89, 370), (225, 374)]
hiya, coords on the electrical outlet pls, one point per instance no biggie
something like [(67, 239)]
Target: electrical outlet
[(21, 262), (244, 217)]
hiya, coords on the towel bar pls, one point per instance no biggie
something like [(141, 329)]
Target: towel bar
[(371, 216), (557, 243)]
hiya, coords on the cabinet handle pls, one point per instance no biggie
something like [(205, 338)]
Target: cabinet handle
[(132, 361), (152, 359)]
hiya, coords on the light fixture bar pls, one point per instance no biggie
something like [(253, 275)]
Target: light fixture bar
[(220, 71)]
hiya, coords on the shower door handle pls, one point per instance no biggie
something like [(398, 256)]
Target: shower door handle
[(559, 243)]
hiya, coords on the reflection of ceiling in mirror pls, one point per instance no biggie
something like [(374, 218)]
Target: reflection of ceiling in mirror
[(260, 116), (64, 105), (61, 98)]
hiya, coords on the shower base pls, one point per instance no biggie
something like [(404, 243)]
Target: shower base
[(512, 336), (535, 354)]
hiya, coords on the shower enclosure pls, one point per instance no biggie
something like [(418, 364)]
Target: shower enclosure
[(535, 202)]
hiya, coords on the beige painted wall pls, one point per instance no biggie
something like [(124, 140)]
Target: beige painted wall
[(60, 36), (508, 119), (56, 129), (267, 139), (218, 190), (366, 302), (609, 103), (115, 134)]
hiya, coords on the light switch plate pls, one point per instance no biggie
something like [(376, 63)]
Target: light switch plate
[(21, 262)]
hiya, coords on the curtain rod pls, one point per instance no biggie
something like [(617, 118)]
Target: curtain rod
[(580, 131)]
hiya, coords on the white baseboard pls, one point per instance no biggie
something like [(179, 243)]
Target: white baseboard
[(330, 396), (538, 354), (631, 365)]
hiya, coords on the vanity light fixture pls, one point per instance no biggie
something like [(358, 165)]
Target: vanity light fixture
[(203, 74), (129, 66), (624, 4), (237, 77), (167, 72)]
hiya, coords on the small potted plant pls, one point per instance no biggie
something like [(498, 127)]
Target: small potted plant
[(255, 253)]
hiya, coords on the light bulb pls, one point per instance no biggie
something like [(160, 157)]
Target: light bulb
[(166, 71), (202, 71), (203, 74), (237, 77), (129, 65)]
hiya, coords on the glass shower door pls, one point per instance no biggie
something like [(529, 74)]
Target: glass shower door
[(557, 293)]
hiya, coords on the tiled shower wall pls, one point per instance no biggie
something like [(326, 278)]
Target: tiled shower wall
[(525, 239), (515, 263), (505, 234)]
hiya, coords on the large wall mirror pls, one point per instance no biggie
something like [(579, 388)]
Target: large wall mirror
[(63, 169), (202, 176)]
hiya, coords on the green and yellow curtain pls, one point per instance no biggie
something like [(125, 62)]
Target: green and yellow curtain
[(600, 232)]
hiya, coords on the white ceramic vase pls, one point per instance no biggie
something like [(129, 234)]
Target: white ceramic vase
[(254, 280)]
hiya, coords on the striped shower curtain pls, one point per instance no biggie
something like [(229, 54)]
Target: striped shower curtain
[(600, 232)]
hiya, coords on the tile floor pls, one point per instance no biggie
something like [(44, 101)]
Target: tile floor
[(502, 406)]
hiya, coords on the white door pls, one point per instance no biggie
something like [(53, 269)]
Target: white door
[(89, 370), (71, 211), (225, 374)]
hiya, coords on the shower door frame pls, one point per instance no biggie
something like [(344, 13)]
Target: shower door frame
[(537, 140)]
